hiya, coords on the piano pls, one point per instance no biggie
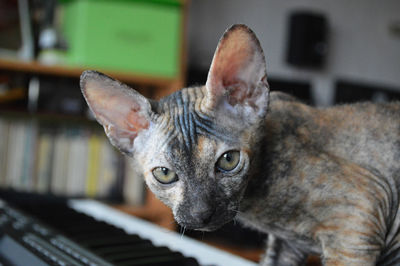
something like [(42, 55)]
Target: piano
[(87, 232)]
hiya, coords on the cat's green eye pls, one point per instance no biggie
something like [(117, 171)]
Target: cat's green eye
[(164, 175), (228, 161)]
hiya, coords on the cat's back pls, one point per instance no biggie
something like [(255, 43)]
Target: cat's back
[(368, 134), (365, 133)]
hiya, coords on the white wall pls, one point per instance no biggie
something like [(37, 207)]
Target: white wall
[(361, 47)]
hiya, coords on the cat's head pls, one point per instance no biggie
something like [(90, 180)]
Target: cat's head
[(194, 147)]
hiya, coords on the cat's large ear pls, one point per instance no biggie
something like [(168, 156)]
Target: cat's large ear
[(122, 111), (237, 78)]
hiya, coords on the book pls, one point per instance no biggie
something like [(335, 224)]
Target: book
[(4, 129), (77, 165), (134, 188), (107, 168), (44, 165), (15, 154), (28, 156), (59, 171), (93, 165)]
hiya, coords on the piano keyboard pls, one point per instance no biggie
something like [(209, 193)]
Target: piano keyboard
[(87, 232), (205, 254)]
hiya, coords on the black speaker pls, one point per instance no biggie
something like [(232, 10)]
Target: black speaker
[(308, 39)]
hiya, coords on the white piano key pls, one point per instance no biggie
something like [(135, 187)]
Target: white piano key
[(205, 254)]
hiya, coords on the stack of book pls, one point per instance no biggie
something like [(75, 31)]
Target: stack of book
[(64, 160)]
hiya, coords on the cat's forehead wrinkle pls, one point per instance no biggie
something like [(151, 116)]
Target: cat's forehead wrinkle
[(184, 118), (165, 131), (181, 114)]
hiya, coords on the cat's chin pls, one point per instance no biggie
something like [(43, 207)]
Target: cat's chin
[(205, 228), (211, 226)]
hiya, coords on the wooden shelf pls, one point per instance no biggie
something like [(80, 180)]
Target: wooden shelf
[(162, 85), (159, 86), (35, 67)]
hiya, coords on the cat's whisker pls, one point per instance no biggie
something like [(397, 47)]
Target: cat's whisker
[(235, 210), (183, 231)]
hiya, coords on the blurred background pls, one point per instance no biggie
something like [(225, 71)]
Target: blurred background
[(341, 50), (323, 52)]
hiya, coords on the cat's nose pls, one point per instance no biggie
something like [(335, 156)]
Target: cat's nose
[(203, 215), (207, 217)]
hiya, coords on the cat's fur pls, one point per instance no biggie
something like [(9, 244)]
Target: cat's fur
[(316, 180)]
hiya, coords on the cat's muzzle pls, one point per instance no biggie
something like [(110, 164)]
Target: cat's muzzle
[(208, 220)]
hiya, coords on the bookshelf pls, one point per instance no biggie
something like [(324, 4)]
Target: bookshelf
[(154, 87), (33, 123), (157, 87), (151, 86)]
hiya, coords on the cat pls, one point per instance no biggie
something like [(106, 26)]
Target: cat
[(316, 180)]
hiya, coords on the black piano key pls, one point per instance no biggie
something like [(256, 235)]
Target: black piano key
[(96, 231), (188, 261), (104, 251), (174, 259), (166, 258), (91, 235), (110, 241), (132, 254), (78, 231)]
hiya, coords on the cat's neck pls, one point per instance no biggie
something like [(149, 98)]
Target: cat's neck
[(262, 206), (278, 148), (279, 142)]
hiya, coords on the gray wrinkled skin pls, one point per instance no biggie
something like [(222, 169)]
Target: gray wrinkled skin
[(321, 181)]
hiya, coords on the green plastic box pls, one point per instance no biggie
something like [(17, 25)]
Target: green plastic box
[(140, 36)]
